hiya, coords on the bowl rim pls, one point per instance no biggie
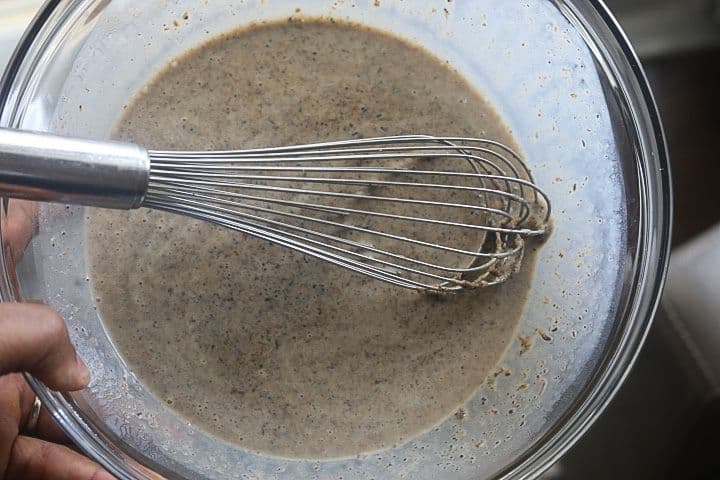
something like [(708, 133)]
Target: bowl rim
[(652, 256)]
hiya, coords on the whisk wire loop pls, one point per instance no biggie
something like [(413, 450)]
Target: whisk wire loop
[(429, 213)]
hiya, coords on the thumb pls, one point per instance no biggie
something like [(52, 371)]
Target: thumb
[(34, 339)]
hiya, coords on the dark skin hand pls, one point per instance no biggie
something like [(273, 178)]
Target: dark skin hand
[(34, 339)]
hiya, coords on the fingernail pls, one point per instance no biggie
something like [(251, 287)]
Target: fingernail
[(83, 373)]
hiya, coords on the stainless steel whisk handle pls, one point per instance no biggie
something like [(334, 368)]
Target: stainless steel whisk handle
[(50, 168)]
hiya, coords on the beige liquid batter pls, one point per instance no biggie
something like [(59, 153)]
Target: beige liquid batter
[(262, 346)]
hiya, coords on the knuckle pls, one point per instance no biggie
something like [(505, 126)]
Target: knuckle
[(6, 309), (55, 324), (98, 474)]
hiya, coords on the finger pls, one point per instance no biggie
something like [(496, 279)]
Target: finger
[(16, 402), (14, 391), (36, 459), (20, 225), (11, 413), (48, 429), (35, 340)]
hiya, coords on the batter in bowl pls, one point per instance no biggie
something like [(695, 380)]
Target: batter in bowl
[(264, 347)]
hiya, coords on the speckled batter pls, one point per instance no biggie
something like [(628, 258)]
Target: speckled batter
[(262, 346)]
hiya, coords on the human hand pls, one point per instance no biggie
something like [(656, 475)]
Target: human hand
[(34, 339)]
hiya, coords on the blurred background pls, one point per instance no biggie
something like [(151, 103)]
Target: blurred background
[(665, 421)]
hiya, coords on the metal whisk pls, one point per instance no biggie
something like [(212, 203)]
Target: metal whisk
[(421, 212)]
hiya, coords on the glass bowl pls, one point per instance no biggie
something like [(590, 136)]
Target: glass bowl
[(564, 78)]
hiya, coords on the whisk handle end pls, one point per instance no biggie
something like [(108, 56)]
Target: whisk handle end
[(50, 168)]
